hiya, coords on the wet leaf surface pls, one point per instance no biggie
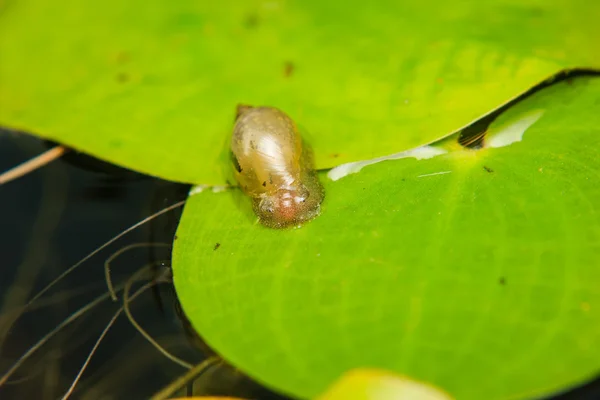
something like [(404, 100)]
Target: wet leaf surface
[(475, 270)]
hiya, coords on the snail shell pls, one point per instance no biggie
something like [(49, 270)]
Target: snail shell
[(274, 168)]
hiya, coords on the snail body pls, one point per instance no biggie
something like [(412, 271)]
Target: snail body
[(273, 166)]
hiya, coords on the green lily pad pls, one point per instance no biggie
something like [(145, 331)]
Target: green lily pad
[(475, 270), (152, 85)]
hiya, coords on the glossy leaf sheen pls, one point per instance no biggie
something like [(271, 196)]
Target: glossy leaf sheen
[(483, 281), (152, 85), (367, 384)]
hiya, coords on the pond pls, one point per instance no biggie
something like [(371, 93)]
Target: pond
[(53, 218)]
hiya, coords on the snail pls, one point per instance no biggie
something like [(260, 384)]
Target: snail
[(274, 167)]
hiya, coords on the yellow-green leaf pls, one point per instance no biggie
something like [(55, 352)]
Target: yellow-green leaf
[(152, 84)]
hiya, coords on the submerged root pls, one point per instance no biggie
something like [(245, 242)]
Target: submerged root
[(38, 301), (77, 314), (105, 245), (110, 259), (50, 301), (101, 337), (30, 304), (137, 276), (187, 378), (142, 273)]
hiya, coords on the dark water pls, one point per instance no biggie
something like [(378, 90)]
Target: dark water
[(50, 220)]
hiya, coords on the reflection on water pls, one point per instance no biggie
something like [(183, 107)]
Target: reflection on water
[(51, 219)]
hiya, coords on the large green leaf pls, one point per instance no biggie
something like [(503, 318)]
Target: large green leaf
[(475, 270), (152, 84)]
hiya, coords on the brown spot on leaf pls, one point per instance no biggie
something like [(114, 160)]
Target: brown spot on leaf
[(122, 57), (217, 245), (122, 77), (488, 169), (251, 21), (288, 69)]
